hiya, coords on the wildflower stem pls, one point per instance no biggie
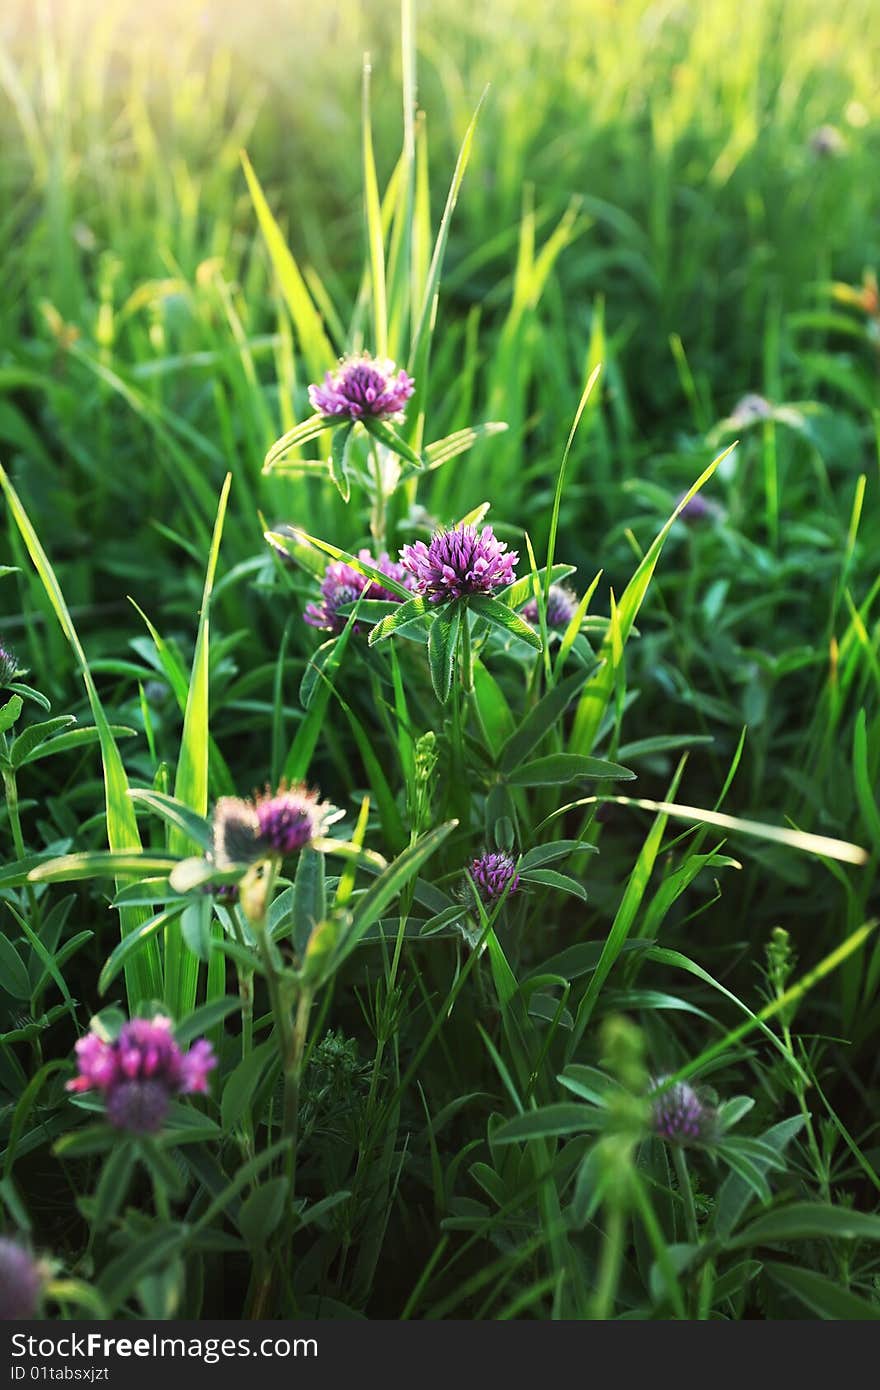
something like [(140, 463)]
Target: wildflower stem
[(231, 924), (10, 787), (466, 655), (387, 1015), (460, 795), (687, 1192), (246, 994), (820, 1166), (284, 1027), (611, 1261), (292, 1078), (654, 1231), (377, 524), (706, 1289), (160, 1194)]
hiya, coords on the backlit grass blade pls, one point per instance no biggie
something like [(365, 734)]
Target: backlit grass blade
[(597, 693), (783, 1002), (421, 345), (175, 671), (119, 864), (624, 919), (865, 792), (293, 440), (373, 212), (442, 450), (560, 479), (389, 815), (191, 782), (822, 845), (400, 250), (389, 885), (314, 343), (362, 566), (306, 739), (144, 976)]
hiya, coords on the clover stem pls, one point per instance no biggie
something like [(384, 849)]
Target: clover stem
[(687, 1193), (466, 654)]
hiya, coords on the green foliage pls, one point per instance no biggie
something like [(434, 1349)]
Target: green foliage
[(433, 1099)]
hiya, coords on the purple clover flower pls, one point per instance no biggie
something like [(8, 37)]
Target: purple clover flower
[(492, 872), (459, 562), (827, 142), (679, 1115), (278, 822), (562, 605), (20, 1281), (698, 509), (290, 818), (138, 1107), (139, 1072), (342, 584), (8, 665), (221, 892), (749, 408), (363, 386)]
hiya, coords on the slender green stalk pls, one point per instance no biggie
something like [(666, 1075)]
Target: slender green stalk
[(10, 787), (686, 1192), (292, 1079), (378, 522), (466, 656), (611, 1261)]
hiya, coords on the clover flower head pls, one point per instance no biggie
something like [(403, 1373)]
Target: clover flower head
[(459, 562), (275, 823), (562, 605), (221, 892), (235, 833), (139, 1072), (363, 387), (827, 142), (679, 1115), (8, 665), (698, 509), (292, 817), (20, 1281), (343, 584), (749, 408), (492, 872), (138, 1107)]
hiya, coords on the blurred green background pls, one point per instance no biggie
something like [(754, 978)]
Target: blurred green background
[(657, 162)]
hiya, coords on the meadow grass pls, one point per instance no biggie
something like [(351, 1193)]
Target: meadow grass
[(623, 255)]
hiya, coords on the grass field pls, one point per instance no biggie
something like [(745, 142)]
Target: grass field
[(627, 253)]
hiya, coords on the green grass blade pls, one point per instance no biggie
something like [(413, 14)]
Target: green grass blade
[(594, 700), (373, 212), (624, 919), (144, 977), (191, 782), (316, 346), (421, 346), (560, 480)]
